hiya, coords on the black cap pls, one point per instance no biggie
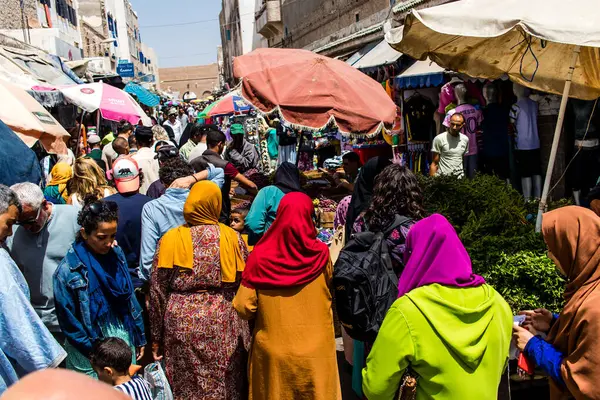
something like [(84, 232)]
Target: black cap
[(167, 152), (144, 132)]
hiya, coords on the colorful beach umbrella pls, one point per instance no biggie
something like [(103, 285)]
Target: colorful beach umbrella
[(114, 104), (30, 120), (311, 91), (232, 103)]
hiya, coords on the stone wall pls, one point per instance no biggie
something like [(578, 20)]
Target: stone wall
[(198, 79), (307, 21), (11, 16)]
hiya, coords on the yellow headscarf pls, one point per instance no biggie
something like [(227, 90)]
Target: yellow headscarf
[(202, 207), (61, 174)]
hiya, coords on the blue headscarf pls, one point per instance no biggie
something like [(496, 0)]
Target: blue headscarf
[(110, 287)]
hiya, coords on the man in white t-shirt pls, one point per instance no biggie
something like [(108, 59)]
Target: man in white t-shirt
[(146, 157), (175, 124), (449, 149)]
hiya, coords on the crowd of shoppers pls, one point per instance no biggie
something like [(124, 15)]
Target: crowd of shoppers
[(97, 274)]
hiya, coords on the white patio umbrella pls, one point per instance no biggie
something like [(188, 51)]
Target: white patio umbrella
[(547, 45)]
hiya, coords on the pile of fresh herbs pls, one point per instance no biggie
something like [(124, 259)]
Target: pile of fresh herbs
[(498, 229)]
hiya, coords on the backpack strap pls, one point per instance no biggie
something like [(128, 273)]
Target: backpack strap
[(399, 221)]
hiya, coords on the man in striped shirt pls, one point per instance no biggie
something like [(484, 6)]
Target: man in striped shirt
[(111, 359)]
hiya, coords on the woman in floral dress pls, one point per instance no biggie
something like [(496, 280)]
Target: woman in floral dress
[(194, 325)]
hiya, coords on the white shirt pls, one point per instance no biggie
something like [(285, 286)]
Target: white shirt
[(149, 166), (183, 118), (452, 150), (177, 128), (197, 151)]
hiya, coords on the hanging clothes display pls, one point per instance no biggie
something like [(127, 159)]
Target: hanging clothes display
[(418, 118), (417, 158)]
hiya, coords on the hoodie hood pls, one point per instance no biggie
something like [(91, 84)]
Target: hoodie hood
[(459, 317)]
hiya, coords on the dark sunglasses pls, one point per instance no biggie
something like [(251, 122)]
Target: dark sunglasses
[(96, 207)]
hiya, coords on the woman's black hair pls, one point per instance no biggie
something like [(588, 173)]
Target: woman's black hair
[(396, 192), (94, 212)]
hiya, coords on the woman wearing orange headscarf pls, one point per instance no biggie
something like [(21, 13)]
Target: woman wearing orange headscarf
[(571, 352), (285, 288), (194, 278), (56, 191)]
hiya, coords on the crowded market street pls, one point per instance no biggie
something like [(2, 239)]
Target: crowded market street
[(295, 199)]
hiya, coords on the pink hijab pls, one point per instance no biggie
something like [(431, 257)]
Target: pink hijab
[(435, 254)]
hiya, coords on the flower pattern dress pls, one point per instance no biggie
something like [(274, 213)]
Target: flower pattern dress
[(204, 340)]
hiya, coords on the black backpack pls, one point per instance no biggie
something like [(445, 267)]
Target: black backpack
[(364, 282)]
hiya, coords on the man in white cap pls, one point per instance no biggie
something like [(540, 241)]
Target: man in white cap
[(96, 153), (174, 123), (126, 175)]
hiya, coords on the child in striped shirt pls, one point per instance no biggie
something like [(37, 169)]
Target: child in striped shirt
[(111, 359)]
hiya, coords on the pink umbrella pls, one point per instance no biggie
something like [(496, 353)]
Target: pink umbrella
[(114, 104)]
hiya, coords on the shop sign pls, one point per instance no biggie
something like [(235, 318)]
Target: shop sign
[(126, 70)]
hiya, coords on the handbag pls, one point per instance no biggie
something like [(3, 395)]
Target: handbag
[(408, 387)]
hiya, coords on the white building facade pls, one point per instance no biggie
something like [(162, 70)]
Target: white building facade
[(55, 28)]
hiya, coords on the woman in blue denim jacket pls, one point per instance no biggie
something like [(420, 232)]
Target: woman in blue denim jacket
[(93, 290)]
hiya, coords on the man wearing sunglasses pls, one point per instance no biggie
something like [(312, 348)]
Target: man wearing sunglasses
[(449, 149), (43, 235)]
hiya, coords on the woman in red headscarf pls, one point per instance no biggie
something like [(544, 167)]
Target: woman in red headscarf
[(285, 289)]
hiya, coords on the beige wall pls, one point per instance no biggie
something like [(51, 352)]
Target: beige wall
[(10, 14), (310, 20), (198, 79)]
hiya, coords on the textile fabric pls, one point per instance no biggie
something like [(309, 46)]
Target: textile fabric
[(452, 150), (571, 234), (26, 344), (289, 254), (204, 341), (431, 243), (287, 153), (158, 217), (108, 277), (129, 228), (61, 174), (262, 212), (287, 178), (39, 254), (363, 190), (202, 207), (456, 340), (293, 352)]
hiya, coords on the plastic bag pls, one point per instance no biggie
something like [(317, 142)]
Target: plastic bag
[(159, 385)]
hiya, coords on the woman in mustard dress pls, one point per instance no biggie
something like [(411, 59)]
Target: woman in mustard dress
[(285, 289)]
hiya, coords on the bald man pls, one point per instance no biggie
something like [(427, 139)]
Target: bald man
[(60, 384)]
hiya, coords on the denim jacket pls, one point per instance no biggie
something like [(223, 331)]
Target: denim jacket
[(73, 305)]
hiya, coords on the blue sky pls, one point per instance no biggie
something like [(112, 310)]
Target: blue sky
[(193, 44)]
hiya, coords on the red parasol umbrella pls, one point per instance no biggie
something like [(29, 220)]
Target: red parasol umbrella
[(310, 91)]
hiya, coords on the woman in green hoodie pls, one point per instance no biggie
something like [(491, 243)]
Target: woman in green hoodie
[(448, 327)]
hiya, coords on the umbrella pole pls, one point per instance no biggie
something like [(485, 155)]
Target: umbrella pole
[(556, 140)]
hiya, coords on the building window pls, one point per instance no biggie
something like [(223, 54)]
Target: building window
[(357, 17), (228, 34)]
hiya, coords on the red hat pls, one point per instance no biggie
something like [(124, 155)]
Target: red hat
[(126, 174)]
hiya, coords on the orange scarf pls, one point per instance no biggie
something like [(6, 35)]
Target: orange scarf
[(202, 207), (573, 238)]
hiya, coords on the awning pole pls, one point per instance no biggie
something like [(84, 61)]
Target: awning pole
[(556, 140)]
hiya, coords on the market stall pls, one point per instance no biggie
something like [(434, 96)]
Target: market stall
[(30, 120), (522, 40)]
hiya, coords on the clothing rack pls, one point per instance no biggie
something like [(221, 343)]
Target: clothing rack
[(417, 157)]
